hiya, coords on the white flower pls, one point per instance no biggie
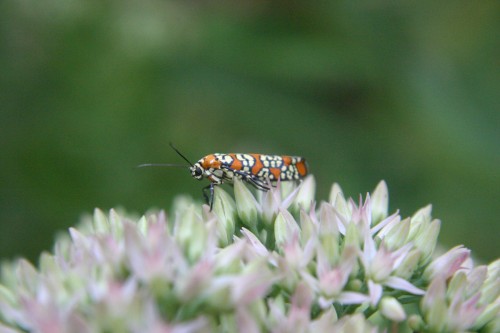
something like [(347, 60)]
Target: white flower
[(278, 262)]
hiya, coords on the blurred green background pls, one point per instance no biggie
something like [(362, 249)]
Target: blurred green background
[(402, 91)]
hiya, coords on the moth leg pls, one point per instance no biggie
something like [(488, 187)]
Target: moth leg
[(252, 179), (258, 184), (209, 199)]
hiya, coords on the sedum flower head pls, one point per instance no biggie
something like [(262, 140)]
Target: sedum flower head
[(275, 261)]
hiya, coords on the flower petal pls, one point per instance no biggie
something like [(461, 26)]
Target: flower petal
[(401, 284)]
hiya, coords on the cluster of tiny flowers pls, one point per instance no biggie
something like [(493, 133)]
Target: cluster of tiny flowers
[(272, 261)]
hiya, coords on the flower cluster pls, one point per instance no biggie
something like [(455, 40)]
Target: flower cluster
[(271, 262)]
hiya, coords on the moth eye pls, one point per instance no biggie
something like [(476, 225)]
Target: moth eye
[(198, 172)]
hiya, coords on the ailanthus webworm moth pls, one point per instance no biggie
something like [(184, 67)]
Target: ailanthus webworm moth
[(255, 169)]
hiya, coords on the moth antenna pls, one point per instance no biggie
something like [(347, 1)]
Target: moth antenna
[(161, 165), (178, 152)]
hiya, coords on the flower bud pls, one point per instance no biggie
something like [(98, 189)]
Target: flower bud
[(246, 204), (423, 215), (397, 236), (489, 315), (416, 323), (434, 305), (225, 209), (307, 192), (392, 309), (329, 233), (270, 206), (409, 264), (284, 228), (356, 324), (190, 232), (101, 223), (426, 239), (490, 290), (447, 264), (335, 191), (308, 227), (380, 202), (353, 236), (342, 208)]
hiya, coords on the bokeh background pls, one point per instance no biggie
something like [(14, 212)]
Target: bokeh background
[(402, 91)]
